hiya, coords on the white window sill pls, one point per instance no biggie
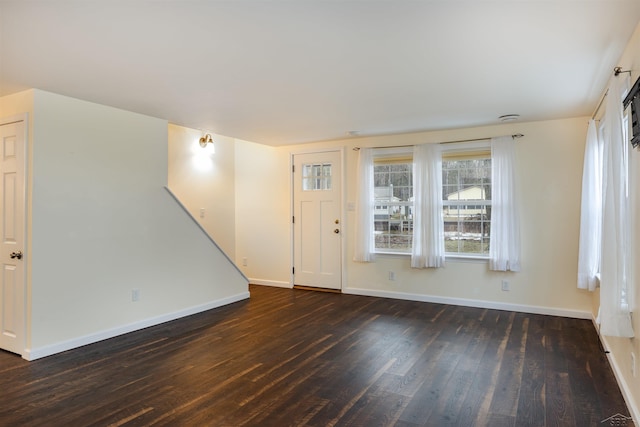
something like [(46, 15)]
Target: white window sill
[(467, 258), (448, 257), (397, 254)]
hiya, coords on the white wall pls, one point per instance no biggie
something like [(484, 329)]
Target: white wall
[(236, 186), (102, 224), (263, 231), (550, 167), (205, 181), (17, 103)]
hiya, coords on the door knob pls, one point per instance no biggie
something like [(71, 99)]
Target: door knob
[(16, 255), (336, 231)]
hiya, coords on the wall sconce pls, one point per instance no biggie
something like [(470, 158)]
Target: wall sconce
[(205, 140)]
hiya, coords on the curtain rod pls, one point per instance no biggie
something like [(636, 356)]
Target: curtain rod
[(616, 72), (514, 136), (593, 116), (619, 70)]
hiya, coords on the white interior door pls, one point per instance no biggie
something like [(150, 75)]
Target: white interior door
[(12, 208), (317, 221)]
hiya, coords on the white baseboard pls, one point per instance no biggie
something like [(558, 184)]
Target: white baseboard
[(471, 303), (37, 353), (275, 283), (632, 405)]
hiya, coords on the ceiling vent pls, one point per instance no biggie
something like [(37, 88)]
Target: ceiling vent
[(509, 117)]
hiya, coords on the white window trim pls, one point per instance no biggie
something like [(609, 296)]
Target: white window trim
[(464, 147), (451, 148), (390, 154)]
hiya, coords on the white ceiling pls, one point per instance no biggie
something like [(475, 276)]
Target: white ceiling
[(281, 72)]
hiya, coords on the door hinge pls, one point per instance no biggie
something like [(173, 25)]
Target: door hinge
[(293, 219), (293, 270), (293, 168)]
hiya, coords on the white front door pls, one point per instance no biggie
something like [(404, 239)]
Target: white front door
[(12, 208), (317, 225)]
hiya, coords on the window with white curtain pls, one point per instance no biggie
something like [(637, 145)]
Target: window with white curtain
[(607, 253), (591, 209), (466, 193), (404, 210)]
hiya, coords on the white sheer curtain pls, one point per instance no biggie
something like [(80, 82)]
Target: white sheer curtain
[(428, 224), (614, 317), (591, 212), (504, 250), (364, 245)]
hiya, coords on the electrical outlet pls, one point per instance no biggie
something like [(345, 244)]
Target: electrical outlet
[(392, 275), (135, 295), (505, 285), (633, 364), (202, 212), (244, 262)]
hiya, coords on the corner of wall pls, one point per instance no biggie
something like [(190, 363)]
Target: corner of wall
[(105, 202)]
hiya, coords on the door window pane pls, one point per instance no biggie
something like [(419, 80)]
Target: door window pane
[(316, 176)]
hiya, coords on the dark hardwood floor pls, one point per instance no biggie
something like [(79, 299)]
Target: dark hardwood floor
[(292, 358)]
